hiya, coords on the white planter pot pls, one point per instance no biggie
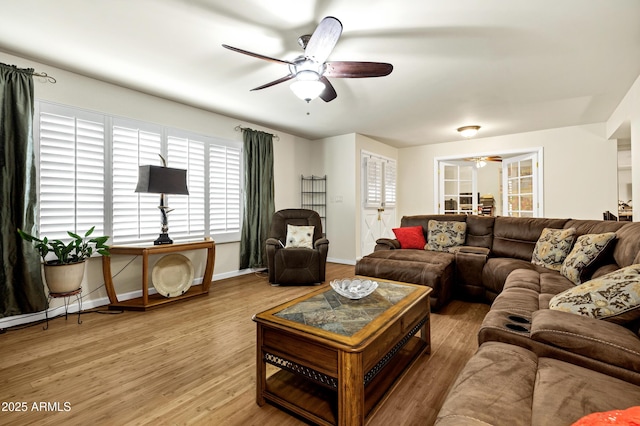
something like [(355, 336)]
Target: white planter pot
[(64, 278)]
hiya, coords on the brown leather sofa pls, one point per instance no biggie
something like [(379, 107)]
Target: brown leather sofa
[(544, 366), (494, 247)]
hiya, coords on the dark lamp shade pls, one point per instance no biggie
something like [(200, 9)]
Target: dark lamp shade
[(162, 180)]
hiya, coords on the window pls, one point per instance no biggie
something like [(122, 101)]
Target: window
[(379, 181), (88, 170)]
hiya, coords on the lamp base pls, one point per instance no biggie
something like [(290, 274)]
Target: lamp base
[(163, 239)]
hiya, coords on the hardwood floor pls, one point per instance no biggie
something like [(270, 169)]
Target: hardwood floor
[(193, 362)]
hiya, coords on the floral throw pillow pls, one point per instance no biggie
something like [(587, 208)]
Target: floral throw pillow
[(410, 237), (299, 236), (552, 247), (445, 235), (614, 297), (586, 252)]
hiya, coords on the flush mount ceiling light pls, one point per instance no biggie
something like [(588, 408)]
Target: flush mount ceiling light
[(468, 131)]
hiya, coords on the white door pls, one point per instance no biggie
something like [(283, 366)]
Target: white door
[(379, 200), (520, 186), (458, 191)]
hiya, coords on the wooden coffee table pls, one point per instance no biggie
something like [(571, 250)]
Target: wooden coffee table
[(337, 359)]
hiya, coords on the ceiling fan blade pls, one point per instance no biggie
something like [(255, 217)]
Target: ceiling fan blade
[(329, 93), (256, 55), (273, 83), (324, 39), (347, 69)]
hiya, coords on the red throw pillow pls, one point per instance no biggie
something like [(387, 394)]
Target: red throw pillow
[(410, 237)]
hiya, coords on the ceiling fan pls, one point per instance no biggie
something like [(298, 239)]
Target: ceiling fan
[(482, 161), (312, 68)]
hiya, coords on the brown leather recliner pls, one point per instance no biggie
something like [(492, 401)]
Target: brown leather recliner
[(295, 265)]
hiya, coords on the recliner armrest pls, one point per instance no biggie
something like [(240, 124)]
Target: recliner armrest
[(597, 339), (274, 242), (387, 244), (319, 242)]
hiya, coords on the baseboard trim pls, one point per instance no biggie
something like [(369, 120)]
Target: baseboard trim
[(17, 320), (341, 261)]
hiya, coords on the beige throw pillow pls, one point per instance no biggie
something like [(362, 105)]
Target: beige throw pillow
[(614, 297), (552, 247), (445, 235), (584, 255), (299, 236)]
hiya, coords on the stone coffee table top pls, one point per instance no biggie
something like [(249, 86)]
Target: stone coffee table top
[(337, 314)]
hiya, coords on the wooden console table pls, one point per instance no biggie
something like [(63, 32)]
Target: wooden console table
[(149, 301)]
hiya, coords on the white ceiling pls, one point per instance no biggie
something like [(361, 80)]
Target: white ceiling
[(508, 65)]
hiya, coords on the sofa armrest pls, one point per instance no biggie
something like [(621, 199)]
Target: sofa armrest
[(596, 339), (470, 262), (387, 244), (473, 250)]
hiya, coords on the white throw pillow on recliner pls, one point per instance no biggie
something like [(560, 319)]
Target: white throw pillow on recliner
[(299, 236)]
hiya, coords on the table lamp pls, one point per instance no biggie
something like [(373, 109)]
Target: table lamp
[(162, 180)]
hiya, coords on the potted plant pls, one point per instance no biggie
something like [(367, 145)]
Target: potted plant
[(64, 273)]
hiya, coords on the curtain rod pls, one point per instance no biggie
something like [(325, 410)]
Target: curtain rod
[(44, 75), (239, 127)]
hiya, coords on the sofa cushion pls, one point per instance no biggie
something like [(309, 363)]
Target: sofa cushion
[(299, 236), (529, 390), (516, 237), (510, 370), (430, 268), (627, 249), (565, 393), (552, 247), (410, 237), (585, 254), (614, 297), (444, 235), (496, 271)]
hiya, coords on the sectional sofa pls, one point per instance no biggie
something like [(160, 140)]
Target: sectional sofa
[(562, 337)]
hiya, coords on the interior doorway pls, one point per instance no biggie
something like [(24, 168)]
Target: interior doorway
[(504, 183)]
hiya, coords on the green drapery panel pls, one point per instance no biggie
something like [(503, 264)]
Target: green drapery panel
[(21, 288), (259, 205)]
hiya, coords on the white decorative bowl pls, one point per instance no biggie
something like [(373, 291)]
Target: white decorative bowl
[(354, 288)]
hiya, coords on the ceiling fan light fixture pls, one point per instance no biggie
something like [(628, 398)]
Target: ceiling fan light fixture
[(468, 131), (480, 164), (307, 85)]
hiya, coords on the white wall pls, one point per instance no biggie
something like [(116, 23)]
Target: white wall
[(291, 156), (580, 169), (335, 157)]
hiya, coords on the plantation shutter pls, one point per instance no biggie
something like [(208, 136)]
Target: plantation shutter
[(390, 172), (135, 215), (373, 182), (188, 217), (71, 171), (224, 189)]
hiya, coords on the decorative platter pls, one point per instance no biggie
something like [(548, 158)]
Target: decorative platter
[(172, 275), (354, 288)]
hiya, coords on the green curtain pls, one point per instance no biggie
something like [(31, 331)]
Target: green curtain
[(21, 288), (259, 205)]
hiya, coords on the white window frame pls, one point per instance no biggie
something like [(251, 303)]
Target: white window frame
[(183, 215)]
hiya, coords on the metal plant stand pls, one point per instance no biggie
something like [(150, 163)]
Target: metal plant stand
[(67, 299)]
